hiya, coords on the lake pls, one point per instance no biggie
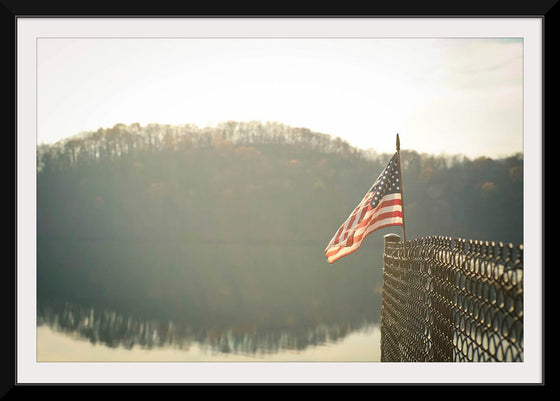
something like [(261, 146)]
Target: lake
[(164, 301)]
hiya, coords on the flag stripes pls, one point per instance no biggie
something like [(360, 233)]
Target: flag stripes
[(381, 207)]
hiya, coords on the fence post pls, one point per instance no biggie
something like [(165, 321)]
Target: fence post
[(387, 334), (391, 238)]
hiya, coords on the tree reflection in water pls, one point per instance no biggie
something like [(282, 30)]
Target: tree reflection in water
[(119, 331), (234, 298)]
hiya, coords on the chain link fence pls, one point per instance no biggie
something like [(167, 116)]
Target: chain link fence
[(451, 300)]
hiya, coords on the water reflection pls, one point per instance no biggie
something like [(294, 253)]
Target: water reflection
[(231, 298), (118, 331)]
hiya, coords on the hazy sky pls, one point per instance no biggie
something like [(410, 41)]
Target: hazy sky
[(441, 95)]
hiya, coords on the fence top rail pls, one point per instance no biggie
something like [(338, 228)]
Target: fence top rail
[(507, 254)]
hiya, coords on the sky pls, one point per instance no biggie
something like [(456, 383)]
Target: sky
[(452, 96)]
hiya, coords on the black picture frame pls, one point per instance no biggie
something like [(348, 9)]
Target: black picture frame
[(10, 11)]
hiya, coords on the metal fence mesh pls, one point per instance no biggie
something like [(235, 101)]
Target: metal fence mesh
[(451, 300)]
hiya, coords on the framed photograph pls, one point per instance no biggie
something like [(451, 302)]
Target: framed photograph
[(190, 199)]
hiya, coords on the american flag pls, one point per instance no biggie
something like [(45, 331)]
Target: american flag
[(380, 207)]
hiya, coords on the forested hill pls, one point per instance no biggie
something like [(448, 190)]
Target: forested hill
[(227, 227), (257, 183)]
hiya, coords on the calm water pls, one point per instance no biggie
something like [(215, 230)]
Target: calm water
[(130, 301)]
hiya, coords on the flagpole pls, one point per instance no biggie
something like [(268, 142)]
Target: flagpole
[(402, 190)]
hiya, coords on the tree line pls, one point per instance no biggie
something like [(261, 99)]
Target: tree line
[(120, 140), (477, 198)]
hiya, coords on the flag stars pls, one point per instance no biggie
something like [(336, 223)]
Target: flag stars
[(387, 183)]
